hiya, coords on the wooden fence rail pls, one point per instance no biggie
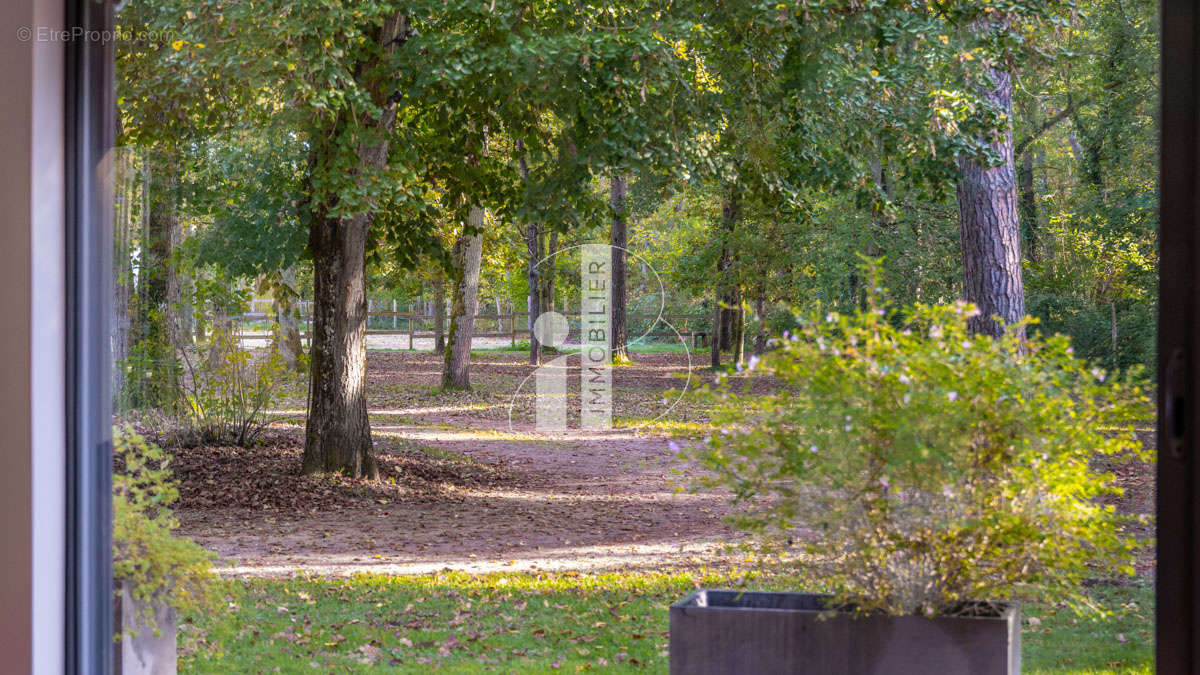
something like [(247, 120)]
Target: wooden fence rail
[(514, 325)]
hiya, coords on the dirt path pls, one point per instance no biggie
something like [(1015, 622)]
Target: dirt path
[(490, 496)]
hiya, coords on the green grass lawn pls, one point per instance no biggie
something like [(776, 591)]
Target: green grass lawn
[(1059, 642), (531, 623)]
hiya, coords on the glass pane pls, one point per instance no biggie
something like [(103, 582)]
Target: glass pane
[(545, 316)]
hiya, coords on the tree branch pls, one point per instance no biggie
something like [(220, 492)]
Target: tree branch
[(1072, 108)]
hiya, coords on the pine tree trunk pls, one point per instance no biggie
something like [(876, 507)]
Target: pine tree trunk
[(338, 433), (468, 254), (618, 239), (990, 226)]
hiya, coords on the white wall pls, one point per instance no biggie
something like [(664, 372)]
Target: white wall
[(32, 350)]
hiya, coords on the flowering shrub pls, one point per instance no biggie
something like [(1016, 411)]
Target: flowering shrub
[(924, 467)]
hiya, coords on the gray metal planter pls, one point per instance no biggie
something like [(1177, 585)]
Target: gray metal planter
[(138, 650), (730, 632)]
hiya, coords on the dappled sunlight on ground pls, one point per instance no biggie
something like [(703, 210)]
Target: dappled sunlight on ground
[(466, 489)]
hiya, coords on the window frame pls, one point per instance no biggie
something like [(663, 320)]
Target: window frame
[(89, 116)]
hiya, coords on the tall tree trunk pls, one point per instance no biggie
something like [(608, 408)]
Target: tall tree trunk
[(618, 240), (338, 434), (737, 340), (990, 227), (1026, 193), (731, 294), (760, 315), (468, 255), (533, 245), (1028, 205), (727, 311), (880, 219), (714, 346), (1116, 354), (549, 272), (1090, 153), (174, 279), (184, 314), (722, 324), (439, 314)]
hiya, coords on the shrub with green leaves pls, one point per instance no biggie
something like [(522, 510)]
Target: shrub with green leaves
[(156, 564), (226, 392), (924, 467)]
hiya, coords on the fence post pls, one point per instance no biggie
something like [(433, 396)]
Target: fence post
[(512, 325), (411, 316), (394, 314)]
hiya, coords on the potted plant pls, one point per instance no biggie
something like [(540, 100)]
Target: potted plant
[(932, 479), (156, 575)]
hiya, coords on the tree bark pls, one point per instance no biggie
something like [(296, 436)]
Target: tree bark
[(730, 295), (533, 243), (439, 314), (549, 273), (722, 323), (990, 227), (468, 254), (1092, 146), (727, 311), (338, 433), (1028, 206), (173, 305), (879, 216), (760, 314), (737, 339), (714, 345), (618, 239)]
